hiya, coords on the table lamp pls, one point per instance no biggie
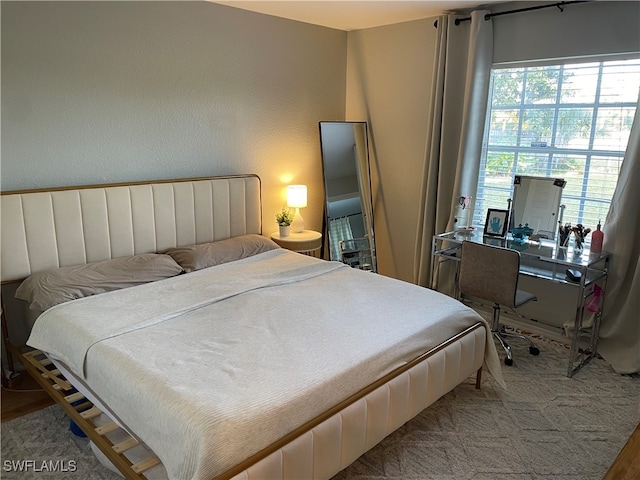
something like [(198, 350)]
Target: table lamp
[(297, 198)]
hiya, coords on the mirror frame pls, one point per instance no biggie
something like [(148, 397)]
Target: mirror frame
[(520, 202), (362, 167)]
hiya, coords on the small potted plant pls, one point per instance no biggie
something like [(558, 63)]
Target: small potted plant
[(284, 218)]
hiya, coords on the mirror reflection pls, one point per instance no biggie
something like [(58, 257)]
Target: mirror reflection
[(349, 213), (536, 202)]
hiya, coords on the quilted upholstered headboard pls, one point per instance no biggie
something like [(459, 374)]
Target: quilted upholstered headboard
[(41, 230)]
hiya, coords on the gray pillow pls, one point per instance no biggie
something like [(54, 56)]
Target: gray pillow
[(45, 289), (203, 255)]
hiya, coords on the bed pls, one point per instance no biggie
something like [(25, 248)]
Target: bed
[(227, 357)]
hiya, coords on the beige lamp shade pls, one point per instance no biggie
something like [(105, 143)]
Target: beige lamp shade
[(297, 198)]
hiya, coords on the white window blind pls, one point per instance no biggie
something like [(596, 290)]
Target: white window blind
[(568, 121)]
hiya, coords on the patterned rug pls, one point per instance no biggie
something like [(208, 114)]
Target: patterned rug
[(544, 426)]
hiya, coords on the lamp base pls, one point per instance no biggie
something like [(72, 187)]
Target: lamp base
[(297, 225)]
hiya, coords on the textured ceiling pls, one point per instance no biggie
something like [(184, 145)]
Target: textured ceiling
[(353, 14)]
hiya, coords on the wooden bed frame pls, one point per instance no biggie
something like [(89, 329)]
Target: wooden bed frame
[(59, 227)]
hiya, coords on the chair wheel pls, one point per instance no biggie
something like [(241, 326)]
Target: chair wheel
[(534, 350), (508, 361)]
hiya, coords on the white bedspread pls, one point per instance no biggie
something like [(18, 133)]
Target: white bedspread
[(212, 366)]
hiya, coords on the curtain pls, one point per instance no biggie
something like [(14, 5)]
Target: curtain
[(339, 229), (458, 103), (620, 329)]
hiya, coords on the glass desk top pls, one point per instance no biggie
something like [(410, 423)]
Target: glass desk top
[(538, 257)]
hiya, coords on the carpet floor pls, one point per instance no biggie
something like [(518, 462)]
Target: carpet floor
[(544, 426)]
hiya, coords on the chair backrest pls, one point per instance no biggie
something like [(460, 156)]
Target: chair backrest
[(489, 272)]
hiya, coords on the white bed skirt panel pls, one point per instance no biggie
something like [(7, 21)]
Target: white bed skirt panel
[(338, 441)]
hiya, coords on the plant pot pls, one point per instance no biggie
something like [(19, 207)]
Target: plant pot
[(284, 230)]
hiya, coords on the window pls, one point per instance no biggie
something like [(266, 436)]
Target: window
[(568, 121)]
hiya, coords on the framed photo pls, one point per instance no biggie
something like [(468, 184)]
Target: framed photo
[(496, 223)]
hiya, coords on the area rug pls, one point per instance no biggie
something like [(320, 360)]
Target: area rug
[(543, 426)]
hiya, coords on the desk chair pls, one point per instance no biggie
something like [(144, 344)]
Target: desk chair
[(491, 273)]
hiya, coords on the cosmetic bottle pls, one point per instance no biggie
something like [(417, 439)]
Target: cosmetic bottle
[(597, 237)]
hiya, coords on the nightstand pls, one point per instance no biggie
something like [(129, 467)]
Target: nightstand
[(308, 242)]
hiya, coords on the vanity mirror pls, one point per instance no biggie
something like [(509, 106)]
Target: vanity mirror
[(536, 202), (347, 183)]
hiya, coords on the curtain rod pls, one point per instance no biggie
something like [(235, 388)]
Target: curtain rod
[(528, 9)]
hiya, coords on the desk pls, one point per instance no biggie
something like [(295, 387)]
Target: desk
[(544, 260)]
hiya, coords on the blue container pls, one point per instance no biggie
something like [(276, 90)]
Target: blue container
[(73, 426), (75, 429)]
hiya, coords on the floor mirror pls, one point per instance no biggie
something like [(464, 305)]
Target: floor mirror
[(347, 183)]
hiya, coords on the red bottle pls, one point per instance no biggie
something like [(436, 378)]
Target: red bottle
[(597, 238)]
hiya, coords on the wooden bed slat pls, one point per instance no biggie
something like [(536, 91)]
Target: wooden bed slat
[(60, 384), (42, 364), (91, 413), (109, 427), (74, 397), (145, 464), (126, 445), (81, 407)]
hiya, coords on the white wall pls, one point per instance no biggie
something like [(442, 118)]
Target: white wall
[(103, 92), (592, 28)]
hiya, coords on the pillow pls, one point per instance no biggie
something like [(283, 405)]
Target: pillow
[(45, 289), (203, 255)]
